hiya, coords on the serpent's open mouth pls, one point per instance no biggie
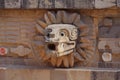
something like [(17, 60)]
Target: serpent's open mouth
[(51, 47)]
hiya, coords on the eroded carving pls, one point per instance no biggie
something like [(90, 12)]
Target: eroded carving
[(20, 50)]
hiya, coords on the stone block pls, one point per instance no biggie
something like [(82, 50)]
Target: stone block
[(83, 4), (104, 75), (46, 3), (27, 74), (104, 3), (64, 3), (118, 76), (118, 3), (60, 4), (2, 74), (12, 3), (70, 74), (30, 4), (108, 22), (1, 3)]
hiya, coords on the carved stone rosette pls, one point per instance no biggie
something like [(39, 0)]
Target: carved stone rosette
[(62, 39)]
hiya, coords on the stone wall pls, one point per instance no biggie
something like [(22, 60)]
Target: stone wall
[(59, 74), (66, 4)]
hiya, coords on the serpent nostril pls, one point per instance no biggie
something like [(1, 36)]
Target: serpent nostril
[(50, 35)]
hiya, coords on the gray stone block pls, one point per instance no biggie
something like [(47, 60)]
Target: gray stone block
[(64, 3), (1, 3), (104, 75), (104, 3), (118, 3), (83, 4), (12, 3), (60, 4), (72, 74), (46, 3), (30, 4)]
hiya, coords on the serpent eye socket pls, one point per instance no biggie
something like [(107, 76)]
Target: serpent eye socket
[(63, 33)]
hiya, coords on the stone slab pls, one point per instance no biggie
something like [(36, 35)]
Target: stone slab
[(70, 74), (46, 4), (83, 4), (118, 3), (16, 73), (102, 75), (104, 3), (30, 4), (1, 3)]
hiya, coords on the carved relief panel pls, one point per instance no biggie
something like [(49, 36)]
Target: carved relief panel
[(109, 35), (65, 39), (59, 38)]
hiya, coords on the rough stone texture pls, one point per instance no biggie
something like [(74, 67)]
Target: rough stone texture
[(72, 74), (83, 4), (1, 3), (105, 3), (12, 3), (118, 3), (64, 4), (113, 44), (60, 4), (46, 4), (30, 4), (104, 75), (58, 74), (51, 4), (109, 65), (26, 74)]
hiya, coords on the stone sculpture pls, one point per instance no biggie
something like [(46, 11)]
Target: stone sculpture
[(64, 39)]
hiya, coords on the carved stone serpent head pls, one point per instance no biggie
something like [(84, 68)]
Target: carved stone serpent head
[(64, 38), (60, 38)]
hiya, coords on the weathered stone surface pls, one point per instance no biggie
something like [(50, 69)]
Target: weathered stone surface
[(109, 64), (104, 3), (118, 3), (1, 3), (76, 4), (60, 4), (58, 74), (85, 4), (30, 4), (112, 44), (104, 75), (46, 4), (12, 3), (118, 76), (64, 3), (70, 74), (2, 74), (27, 74)]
